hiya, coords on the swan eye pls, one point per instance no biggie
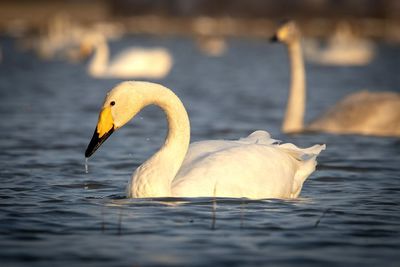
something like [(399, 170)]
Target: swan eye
[(112, 103)]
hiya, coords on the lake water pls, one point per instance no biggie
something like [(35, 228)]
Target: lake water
[(54, 214)]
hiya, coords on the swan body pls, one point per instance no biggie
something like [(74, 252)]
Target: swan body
[(213, 46), (134, 62), (254, 167), (339, 54), (343, 49), (364, 113)]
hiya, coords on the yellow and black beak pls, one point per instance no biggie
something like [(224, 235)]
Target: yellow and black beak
[(96, 142), (105, 127)]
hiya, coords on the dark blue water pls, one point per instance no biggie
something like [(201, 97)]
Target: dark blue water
[(53, 214)]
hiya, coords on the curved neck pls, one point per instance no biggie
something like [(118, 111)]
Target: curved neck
[(99, 62), (154, 177), (294, 117)]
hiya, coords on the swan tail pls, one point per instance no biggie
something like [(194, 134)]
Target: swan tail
[(302, 154), (307, 161)]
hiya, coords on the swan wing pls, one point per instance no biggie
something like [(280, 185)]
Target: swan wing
[(139, 62), (131, 54), (201, 149), (255, 167)]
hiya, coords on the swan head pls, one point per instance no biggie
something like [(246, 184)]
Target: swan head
[(121, 104), (286, 33), (88, 43)]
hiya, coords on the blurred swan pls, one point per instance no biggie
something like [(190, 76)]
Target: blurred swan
[(213, 46), (343, 49), (55, 37), (61, 37), (134, 62), (365, 113), (254, 167)]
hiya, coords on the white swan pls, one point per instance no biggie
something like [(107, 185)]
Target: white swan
[(135, 62), (253, 167), (55, 38), (344, 48), (365, 113), (213, 46)]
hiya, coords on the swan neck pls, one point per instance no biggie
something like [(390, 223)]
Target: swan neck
[(99, 61), (154, 177), (294, 117)]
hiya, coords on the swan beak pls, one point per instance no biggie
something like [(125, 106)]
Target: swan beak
[(105, 127), (274, 39), (96, 142)]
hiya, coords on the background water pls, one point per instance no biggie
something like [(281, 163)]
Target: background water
[(53, 214)]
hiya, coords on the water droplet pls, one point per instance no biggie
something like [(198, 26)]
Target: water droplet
[(86, 165)]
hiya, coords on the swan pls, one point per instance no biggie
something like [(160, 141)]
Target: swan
[(363, 113), (343, 49), (213, 46), (253, 167), (55, 38), (135, 62)]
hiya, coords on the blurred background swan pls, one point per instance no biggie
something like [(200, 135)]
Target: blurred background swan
[(212, 46), (58, 35), (60, 38), (365, 113), (153, 63), (253, 167), (207, 40), (344, 48)]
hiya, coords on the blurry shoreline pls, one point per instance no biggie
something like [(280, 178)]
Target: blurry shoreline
[(21, 18)]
